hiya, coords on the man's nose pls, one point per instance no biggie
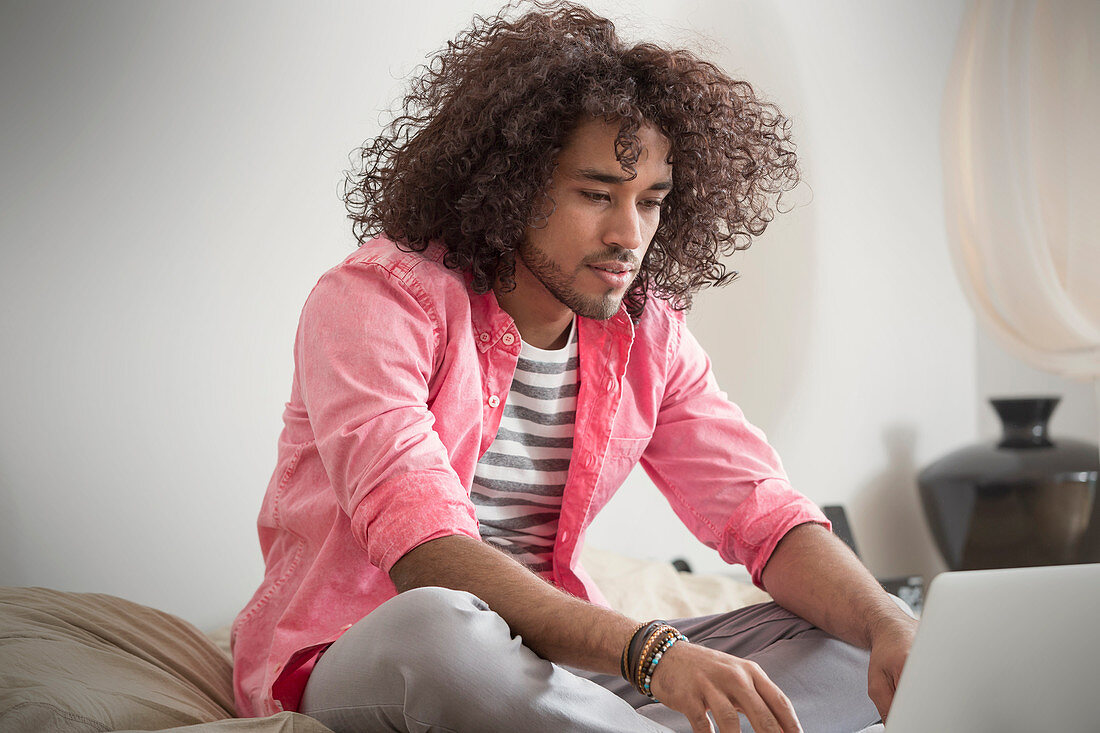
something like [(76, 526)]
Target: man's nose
[(625, 228)]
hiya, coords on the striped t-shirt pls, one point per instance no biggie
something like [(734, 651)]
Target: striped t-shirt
[(519, 481)]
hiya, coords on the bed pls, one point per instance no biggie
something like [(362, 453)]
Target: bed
[(87, 662)]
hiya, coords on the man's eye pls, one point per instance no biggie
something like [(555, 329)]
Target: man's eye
[(595, 195), (651, 203)]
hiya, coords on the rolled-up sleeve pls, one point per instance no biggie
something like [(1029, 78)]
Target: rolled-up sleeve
[(364, 356), (717, 470)]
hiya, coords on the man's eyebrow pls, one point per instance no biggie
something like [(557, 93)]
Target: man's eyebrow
[(592, 174)]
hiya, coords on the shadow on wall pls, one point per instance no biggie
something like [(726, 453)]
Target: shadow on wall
[(889, 524), (757, 329)]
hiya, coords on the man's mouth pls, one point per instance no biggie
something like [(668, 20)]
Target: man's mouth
[(614, 274)]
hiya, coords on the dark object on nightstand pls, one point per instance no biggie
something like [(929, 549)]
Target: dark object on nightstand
[(1023, 500), (681, 565)]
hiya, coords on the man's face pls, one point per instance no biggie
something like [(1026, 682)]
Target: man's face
[(589, 251)]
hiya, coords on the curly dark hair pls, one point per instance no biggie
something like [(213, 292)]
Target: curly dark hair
[(469, 158)]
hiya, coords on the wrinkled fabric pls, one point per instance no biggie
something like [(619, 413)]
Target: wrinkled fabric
[(401, 375), (93, 662)]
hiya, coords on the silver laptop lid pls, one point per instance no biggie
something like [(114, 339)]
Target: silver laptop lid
[(1005, 651)]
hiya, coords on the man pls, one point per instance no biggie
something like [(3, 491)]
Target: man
[(471, 387)]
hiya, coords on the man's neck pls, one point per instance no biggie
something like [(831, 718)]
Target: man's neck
[(541, 319), (540, 332)]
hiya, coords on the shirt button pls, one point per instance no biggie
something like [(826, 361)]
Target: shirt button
[(508, 339), (565, 535), (483, 337), (493, 400), (611, 385)]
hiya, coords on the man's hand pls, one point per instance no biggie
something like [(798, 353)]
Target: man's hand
[(693, 679), (890, 647)]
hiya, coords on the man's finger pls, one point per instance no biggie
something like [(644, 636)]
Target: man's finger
[(726, 714), (700, 723), (745, 696), (777, 702)]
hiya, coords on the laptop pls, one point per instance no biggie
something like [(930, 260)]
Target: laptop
[(1005, 651)]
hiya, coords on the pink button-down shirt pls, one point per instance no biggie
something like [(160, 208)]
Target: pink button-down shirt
[(401, 374)]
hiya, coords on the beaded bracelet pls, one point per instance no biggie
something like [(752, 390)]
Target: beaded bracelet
[(641, 656), (649, 648), (633, 649), (664, 647), (654, 643)]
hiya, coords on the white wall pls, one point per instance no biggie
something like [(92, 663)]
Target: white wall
[(169, 195)]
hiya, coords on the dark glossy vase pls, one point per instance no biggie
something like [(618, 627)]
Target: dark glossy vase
[(1023, 500)]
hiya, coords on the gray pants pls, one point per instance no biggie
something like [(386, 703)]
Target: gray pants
[(433, 659)]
